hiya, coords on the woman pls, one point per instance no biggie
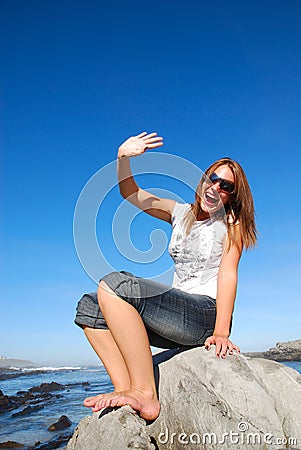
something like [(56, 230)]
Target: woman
[(131, 313)]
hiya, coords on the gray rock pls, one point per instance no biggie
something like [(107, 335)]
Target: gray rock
[(207, 403), (284, 351), (119, 430)]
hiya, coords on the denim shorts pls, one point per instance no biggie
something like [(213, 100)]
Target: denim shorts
[(172, 317)]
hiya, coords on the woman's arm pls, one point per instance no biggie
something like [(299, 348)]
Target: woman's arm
[(226, 293), (155, 206)]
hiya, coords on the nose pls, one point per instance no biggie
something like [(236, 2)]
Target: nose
[(215, 186), (216, 190)]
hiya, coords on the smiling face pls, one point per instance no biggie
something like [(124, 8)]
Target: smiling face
[(212, 197)]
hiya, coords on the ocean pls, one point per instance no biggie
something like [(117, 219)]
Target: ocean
[(78, 382), (31, 428)]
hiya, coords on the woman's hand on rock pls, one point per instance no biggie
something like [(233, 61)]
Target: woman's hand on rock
[(223, 345), (136, 145)]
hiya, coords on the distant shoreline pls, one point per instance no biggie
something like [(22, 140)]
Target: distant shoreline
[(283, 351), (18, 363)]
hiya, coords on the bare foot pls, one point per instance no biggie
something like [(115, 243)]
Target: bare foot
[(147, 405), (100, 401)]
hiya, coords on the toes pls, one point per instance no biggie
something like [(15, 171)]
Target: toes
[(122, 400), (114, 401), (100, 403), (108, 401), (91, 401), (96, 407)]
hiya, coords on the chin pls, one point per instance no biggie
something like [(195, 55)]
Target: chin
[(211, 209)]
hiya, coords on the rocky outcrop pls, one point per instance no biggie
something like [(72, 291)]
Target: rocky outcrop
[(56, 442), (206, 403), (284, 351), (28, 410), (11, 444), (36, 396), (47, 387), (20, 363), (6, 373), (118, 430)]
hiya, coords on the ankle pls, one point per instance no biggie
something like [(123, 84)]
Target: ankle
[(121, 387), (147, 391)]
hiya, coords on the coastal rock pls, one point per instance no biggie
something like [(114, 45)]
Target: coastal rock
[(119, 430), (61, 424), (206, 403), (284, 351), (55, 442), (6, 403), (6, 373), (11, 445), (28, 410), (34, 396), (48, 387)]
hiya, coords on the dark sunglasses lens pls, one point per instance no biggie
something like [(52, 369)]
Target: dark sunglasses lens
[(226, 186), (214, 178)]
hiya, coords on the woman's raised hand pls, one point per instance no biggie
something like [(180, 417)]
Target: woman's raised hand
[(136, 145)]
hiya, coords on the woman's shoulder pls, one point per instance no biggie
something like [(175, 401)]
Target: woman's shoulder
[(180, 209)]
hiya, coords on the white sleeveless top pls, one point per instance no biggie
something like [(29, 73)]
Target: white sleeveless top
[(197, 257)]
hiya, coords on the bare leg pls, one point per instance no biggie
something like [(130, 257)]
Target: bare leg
[(106, 349), (129, 333)]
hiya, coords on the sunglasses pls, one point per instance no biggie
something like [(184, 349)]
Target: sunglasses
[(225, 186)]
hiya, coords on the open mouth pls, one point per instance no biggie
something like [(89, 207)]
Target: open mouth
[(211, 200)]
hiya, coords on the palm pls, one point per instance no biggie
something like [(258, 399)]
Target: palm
[(136, 145)]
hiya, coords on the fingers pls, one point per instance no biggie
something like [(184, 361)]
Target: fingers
[(208, 342), (136, 145), (151, 140), (149, 137), (218, 347), (159, 144), (236, 348), (224, 349), (230, 348), (222, 346)]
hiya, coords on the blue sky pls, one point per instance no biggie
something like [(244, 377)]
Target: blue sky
[(214, 78)]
